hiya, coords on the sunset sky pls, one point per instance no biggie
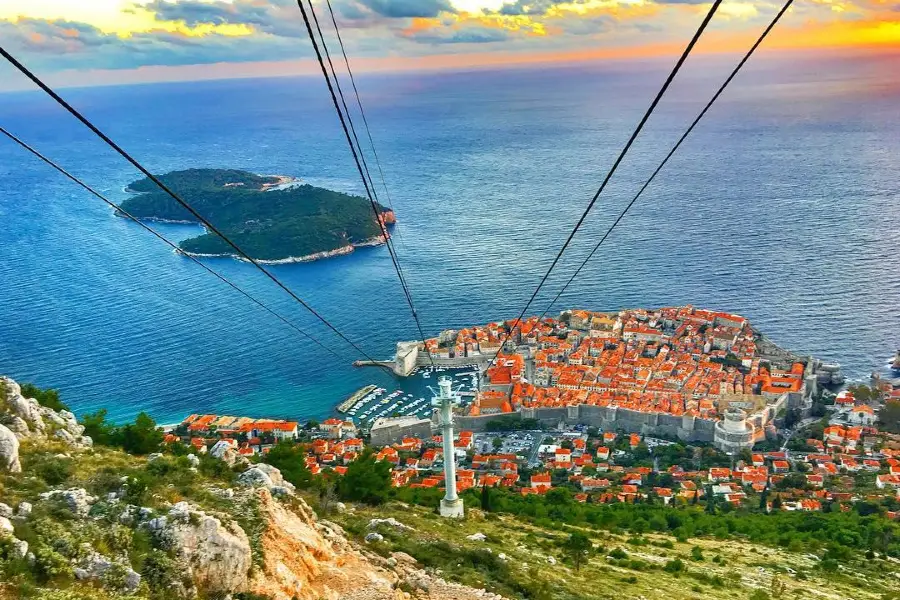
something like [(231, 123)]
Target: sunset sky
[(78, 42)]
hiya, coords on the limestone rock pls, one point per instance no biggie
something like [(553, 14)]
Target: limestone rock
[(225, 451), (194, 460), (95, 566), (19, 548), (267, 476), (389, 522), (5, 510), (26, 418), (477, 537), (24, 510), (76, 499), (6, 527), (374, 537), (9, 451), (310, 560), (218, 554)]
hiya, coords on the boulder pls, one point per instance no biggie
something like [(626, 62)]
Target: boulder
[(6, 527), (267, 476), (224, 450), (76, 499), (94, 566), (9, 451), (389, 522), (374, 537), (24, 510), (477, 537), (5, 510), (194, 460), (218, 554), (19, 548)]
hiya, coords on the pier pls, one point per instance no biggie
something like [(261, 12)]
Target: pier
[(349, 402)]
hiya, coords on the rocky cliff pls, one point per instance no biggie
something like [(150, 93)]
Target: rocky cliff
[(71, 516)]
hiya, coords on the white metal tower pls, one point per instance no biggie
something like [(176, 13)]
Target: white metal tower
[(451, 505)]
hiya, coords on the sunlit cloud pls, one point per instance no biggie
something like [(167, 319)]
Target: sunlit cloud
[(61, 35)]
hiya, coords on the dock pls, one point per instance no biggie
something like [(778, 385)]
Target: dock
[(349, 402)]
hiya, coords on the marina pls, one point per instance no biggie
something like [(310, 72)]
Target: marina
[(352, 400), (413, 399)]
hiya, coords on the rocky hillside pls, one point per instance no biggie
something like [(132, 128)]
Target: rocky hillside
[(85, 521)]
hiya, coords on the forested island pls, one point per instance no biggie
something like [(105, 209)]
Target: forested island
[(270, 222)]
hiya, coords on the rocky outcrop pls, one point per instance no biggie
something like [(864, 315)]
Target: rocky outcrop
[(76, 500), (308, 560), (225, 451), (27, 419), (216, 555), (96, 567), (9, 451), (267, 476)]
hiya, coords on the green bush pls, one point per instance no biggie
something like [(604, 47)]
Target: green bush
[(50, 565), (48, 398), (674, 566), (53, 470)]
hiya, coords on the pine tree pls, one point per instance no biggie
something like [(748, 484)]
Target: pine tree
[(485, 498), (776, 503), (710, 501), (696, 497), (764, 500)]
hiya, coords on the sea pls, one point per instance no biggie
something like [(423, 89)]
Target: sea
[(783, 206)]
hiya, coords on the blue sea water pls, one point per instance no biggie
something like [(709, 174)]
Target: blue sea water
[(783, 207)]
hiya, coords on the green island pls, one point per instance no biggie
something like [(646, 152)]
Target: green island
[(269, 222)]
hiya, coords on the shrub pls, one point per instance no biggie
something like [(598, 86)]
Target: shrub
[(674, 566), (50, 565), (53, 470), (618, 554), (48, 398)]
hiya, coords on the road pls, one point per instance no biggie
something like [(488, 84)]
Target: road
[(798, 427)]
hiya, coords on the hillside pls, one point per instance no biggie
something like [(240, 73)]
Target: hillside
[(84, 521), (109, 517), (301, 222)]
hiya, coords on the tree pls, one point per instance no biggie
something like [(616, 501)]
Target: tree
[(567, 444), (578, 549), (48, 398), (776, 503), (791, 418), (764, 499), (485, 498), (710, 501), (889, 416), (140, 437), (696, 497), (497, 443), (366, 480), (864, 393), (697, 554), (98, 429), (291, 461)]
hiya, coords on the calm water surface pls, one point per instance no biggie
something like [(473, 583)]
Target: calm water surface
[(782, 207)]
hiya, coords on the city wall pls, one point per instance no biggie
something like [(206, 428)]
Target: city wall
[(687, 428)]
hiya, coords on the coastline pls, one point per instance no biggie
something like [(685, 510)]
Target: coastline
[(343, 250)]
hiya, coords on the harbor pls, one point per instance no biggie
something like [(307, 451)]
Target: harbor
[(412, 397)]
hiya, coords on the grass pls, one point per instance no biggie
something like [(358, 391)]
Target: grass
[(535, 567)]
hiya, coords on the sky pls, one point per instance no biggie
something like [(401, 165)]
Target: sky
[(96, 42)]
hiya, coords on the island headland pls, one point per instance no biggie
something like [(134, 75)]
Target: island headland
[(275, 219)]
